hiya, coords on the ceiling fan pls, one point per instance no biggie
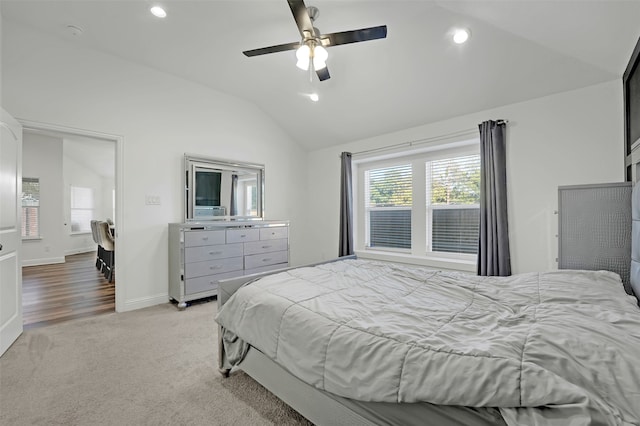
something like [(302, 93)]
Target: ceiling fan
[(311, 52)]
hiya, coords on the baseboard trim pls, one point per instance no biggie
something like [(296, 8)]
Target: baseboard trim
[(47, 261), (80, 250), (145, 302)]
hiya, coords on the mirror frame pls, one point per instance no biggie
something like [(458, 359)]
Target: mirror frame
[(217, 164)]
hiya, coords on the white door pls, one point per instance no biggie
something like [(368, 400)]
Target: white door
[(10, 230)]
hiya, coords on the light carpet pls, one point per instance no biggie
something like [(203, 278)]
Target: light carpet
[(153, 366)]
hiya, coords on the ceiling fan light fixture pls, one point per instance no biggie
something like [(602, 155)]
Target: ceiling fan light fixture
[(320, 56), (303, 54)]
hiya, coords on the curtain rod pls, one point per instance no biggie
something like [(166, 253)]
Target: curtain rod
[(425, 140)]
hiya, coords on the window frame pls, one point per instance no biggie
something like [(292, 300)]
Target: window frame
[(421, 212)]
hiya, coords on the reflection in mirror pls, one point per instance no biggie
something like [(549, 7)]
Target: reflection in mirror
[(221, 189)]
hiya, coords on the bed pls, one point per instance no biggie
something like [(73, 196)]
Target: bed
[(363, 342)]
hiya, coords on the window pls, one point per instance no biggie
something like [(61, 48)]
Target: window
[(453, 203), (388, 199), (425, 204), (30, 208), (82, 207)]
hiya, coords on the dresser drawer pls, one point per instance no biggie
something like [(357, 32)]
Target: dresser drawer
[(266, 268), (274, 233), (265, 259), (203, 238), (197, 254), (209, 267), (242, 235), (256, 247), (207, 283)]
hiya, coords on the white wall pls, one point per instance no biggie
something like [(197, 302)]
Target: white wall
[(1, 51), (160, 117), (42, 159), (566, 139)]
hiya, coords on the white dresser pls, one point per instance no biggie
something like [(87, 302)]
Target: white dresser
[(202, 253)]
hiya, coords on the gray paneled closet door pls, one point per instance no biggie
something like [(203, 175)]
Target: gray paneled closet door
[(594, 228)]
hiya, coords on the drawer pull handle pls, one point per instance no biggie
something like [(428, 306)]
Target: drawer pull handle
[(215, 252), (243, 235), (215, 267), (266, 259), (205, 238), (265, 247)]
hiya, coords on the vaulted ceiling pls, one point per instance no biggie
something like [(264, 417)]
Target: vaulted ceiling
[(518, 50)]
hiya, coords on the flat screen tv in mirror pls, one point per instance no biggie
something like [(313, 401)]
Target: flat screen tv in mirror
[(222, 190)]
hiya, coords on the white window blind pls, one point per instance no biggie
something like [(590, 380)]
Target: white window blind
[(30, 207), (388, 200), (453, 204), (82, 209)]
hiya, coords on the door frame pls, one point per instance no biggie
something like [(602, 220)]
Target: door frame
[(119, 178)]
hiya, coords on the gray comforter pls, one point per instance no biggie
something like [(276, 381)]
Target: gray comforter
[(544, 347)]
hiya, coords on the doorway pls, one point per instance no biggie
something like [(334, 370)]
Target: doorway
[(75, 175)]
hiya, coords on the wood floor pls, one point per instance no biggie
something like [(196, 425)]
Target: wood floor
[(64, 291)]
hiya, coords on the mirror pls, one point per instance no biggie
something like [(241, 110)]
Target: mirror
[(222, 190)]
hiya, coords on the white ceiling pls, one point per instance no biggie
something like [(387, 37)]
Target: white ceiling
[(519, 50)]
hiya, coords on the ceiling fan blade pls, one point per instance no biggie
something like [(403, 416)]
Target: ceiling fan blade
[(301, 16), (354, 36), (272, 49), (323, 74)]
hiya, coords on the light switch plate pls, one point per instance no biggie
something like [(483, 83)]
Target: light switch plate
[(152, 200)]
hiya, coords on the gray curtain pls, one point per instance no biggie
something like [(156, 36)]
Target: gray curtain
[(346, 207), (494, 258)]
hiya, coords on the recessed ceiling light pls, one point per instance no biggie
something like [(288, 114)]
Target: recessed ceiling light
[(158, 12), (462, 35), (314, 97)]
